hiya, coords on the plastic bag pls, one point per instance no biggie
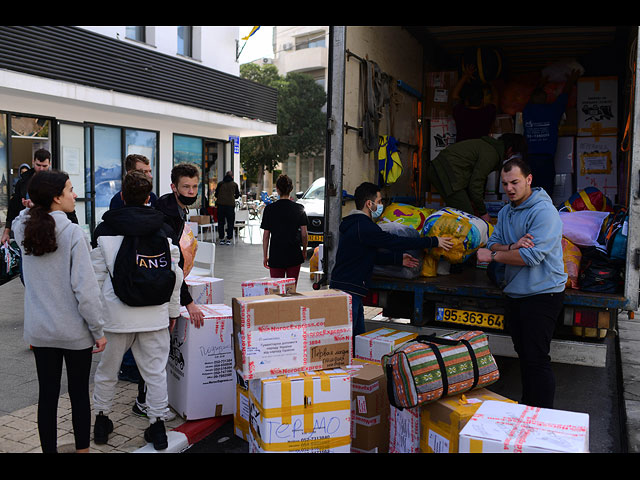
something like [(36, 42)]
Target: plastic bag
[(399, 271), (583, 227), (10, 260), (188, 246), (571, 256), (406, 215)]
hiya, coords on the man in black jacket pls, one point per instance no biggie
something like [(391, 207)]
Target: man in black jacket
[(19, 200), (174, 206), (358, 249)]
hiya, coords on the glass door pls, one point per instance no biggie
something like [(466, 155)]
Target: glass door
[(76, 162)]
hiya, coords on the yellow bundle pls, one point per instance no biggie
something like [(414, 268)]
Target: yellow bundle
[(571, 256)]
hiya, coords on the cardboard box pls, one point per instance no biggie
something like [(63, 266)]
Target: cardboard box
[(597, 106), (501, 427), (371, 346), (200, 219), (563, 188), (268, 286), (200, 377), (243, 407), (597, 164), (205, 290), (442, 421), (503, 124), (438, 100), (565, 153), (404, 430), (307, 412), (369, 408), (442, 134), (294, 333)]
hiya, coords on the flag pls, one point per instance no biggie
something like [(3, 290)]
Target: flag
[(253, 30)]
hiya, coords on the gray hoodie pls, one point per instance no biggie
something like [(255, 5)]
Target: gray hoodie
[(62, 306)]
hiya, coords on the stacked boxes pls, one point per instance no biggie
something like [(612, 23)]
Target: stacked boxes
[(296, 333), (200, 376), (596, 164), (371, 346), (499, 427), (268, 286), (369, 408), (306, 412), (438, 96)]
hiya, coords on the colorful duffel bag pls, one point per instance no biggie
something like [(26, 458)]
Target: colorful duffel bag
[(428, 368), (590, 198)]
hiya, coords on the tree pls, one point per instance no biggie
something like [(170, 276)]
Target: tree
[(301, 121)]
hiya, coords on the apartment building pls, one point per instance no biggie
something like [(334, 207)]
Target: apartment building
[(92, 95)]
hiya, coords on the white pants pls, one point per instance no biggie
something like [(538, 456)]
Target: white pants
[(151, 352)]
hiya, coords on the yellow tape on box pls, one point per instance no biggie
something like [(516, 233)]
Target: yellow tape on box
[(305, 412)]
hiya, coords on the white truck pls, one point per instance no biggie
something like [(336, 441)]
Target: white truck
[(406, 57)]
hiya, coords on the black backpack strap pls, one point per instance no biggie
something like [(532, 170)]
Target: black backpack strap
[(432, 339), (390, 392)]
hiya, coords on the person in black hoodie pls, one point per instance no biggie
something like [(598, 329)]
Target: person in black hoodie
[(174, 206), (358, 249), (19, 200)]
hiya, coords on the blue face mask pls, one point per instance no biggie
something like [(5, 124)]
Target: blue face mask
[(378, 211)]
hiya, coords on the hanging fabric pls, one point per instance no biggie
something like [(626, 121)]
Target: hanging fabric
[(389, 163)]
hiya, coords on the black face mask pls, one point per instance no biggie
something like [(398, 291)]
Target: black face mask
[(186, 200)]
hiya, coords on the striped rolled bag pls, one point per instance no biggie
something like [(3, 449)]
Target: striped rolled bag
[(429, 367)]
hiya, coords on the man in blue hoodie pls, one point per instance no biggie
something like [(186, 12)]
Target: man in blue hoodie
[(528, 240), (358, 249)]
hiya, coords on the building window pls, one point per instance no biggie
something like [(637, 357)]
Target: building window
[(136, 33), (185, 41), (311, 41)]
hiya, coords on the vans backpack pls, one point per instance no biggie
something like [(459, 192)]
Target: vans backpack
[(142, 274)]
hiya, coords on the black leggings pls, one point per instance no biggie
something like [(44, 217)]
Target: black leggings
[(49, 368)]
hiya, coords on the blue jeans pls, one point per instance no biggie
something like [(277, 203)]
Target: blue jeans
[(357, 310)]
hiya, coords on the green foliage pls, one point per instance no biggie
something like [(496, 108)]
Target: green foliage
[(301, 121)]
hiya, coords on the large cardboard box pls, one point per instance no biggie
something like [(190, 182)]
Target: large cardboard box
[(371, 346), (442, 421), (369, 408), (205, 290), (305, 331), (268, 286), (439, 87), (306, 412), (200, 377), (597, 106), (563, 188), (501, 427), (597, 164)]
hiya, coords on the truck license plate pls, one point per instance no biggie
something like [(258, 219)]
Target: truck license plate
[(470, 318), (315, 238)]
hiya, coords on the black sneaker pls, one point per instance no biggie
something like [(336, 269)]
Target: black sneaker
[(157, 435), (139, 409), (101, 429)]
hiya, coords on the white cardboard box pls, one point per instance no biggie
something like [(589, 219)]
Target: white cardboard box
[(596, 164), (404, 430), (205, 290), (307, 412), (597, 106), (501, 427), (371, 346), (443, 133), (268, 286), (565, 153), (201, 379)]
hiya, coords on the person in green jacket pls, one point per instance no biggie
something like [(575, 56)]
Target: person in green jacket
[(459, 172)]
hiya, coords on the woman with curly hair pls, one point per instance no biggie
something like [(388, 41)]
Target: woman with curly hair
[(62, 308)]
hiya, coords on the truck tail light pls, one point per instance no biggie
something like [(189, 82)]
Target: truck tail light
[(372, 299), (585, 318)]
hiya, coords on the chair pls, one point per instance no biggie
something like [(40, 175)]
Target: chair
[(207, 226), (205, 260), (242, 221)]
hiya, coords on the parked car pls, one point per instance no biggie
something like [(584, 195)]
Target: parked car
[(313, 202)]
